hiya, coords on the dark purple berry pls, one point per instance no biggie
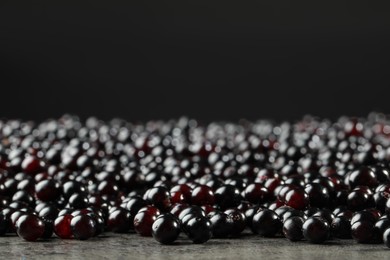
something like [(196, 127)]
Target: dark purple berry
[(83, 227), (30, 227)]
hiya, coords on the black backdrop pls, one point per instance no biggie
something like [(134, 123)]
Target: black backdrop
[(210, 60)]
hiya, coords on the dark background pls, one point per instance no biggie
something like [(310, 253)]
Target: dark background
[(212, 60)]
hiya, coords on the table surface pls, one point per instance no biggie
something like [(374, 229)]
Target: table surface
[(132, 246)]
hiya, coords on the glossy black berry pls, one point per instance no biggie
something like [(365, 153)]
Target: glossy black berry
[(362, 176), (78, 201), (135, 204), (363, 215), (71, 187), (266, 223), (386, 237), (318, 195), (292, 213), (316, 230), (325, 214), (362, 231), (198, 229), (49, 212), (193, 210), (341, 227), (166, 228), (359, 200), (227, 196), (292, 228), (220, 225), (24, 196), (119, 221), (381, 225), (47, 190), (237, 221), (49, 229)]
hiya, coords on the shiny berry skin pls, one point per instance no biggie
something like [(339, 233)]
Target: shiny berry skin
[(62, 226), (237, 221), (381, 225), (202, 195), (341, 227), (359, 200), (185, 219), (363, 215), (166, 228), (31, 165), (362, 231), (144, 219), (49, 212), (135, 204), (316, 230), (220, 225), (386, 237), (227, 196), (292, 228), (83, 227), (249, 213), (325, 214), (266, 223), (119, 221), (297, 199), (49, 229), (362, 176), (193, 210), (177, 197), (380, 199), (280, 211), (30, 227), (178, 208), (25, 197), (47, 190), (71, 187), (4, 224), (184, 189), (198, 229), (387, 207), (318, 195), (78, 201), (339, 212), (100, 226), (15, 217), (291, 213), (159, 197), (256, 193)]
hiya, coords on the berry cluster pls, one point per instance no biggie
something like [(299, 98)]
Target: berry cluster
[(313, 180)]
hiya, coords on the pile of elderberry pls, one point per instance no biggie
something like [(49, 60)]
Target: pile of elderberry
[(312, 180)]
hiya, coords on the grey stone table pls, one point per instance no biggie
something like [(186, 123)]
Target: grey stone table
[(131, 246)]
